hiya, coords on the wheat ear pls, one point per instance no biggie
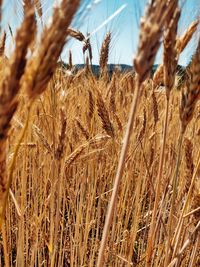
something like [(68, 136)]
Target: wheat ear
[(192, 93), (104, 115), (38, 6), (70, 60), (187, 36), (181, 43), (76, 34), (2, 44), (42, 65), (104, 54)]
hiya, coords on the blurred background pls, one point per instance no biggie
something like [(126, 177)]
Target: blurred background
[(97, 17)]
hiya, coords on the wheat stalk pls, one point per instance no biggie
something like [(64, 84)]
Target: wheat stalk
[(170, 64), (191, 95), (149, 42), (191, 239), (9, 89), (177, 233), (188, 103)]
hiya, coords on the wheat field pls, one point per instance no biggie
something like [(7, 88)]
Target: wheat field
[(99, 170)]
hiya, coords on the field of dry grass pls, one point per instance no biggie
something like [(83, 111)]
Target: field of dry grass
[(61, 138)]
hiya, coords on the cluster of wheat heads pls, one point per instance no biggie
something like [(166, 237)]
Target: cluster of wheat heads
[(34, 75), (61, 138)]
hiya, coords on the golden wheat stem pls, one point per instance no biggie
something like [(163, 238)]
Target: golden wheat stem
[(148, 45), (179, 225), (192, 237), (174, 188), (18, 210), (170, 64), (158, 190), (12, 166), (194, 253), (5, 243), (119, 174)]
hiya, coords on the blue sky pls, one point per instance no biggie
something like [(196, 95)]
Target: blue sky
[(124, 27)]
